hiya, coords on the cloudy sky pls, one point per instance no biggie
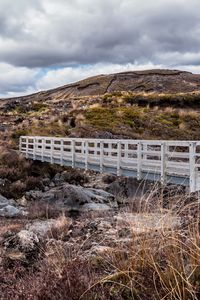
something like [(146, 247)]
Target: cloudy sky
[(47, 43)]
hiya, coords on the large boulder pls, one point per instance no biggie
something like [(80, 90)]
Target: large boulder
[(74, 197)]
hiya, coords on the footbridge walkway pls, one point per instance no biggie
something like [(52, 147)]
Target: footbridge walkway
[(176, 162)]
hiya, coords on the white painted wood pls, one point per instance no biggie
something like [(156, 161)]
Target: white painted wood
[(86, 155), (61, 152), (51, 150), (192, 167), (163, 163), (34, 150), (139, 160), (164, 158), (73, 153), (101, 157), (118, 158)]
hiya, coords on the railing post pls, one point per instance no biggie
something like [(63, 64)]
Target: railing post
[(27, 147), (118, 158), (61, 152), (20, 144), (101, 156), (42, 150), (192, 158), (73, 153), (34, 154), (163, 163), (52, 146), (145, 151), (139, 161), (86, 155)]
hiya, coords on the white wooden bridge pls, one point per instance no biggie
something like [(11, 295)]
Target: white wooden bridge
[(176, 162)]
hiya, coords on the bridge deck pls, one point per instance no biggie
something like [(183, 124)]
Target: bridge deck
[(165, 161)]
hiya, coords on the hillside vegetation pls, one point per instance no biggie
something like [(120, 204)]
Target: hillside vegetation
[(70, 234)]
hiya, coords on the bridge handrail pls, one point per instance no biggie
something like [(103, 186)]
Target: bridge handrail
[(164, 158)]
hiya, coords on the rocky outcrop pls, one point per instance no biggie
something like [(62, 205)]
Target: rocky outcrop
[(76, 198), (7, 209)]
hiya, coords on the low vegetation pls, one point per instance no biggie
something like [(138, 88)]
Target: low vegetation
[(146, 122), (160, 263)]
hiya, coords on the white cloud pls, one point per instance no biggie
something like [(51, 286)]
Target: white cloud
[(68, 75), (16, 80)]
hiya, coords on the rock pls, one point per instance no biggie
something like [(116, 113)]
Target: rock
[(3, 201), (99, 195), (109, 178), (33, 195), (100, 250), (46, 181), (48, 196), (74, 176), (58, 179), (129, 188), (95, 207), (27, 244), (41, 228), (9, 211), (27, 240), (52, 185), (73, 197), (22, 201)]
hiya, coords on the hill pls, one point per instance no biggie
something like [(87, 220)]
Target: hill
[(153, 104), (156, 81)]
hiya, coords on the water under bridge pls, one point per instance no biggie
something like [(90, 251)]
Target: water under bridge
[(176, 162)]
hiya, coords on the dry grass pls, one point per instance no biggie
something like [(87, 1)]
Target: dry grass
[(159, 260)]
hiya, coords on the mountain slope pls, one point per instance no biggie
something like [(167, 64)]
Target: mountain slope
[(154, 104), (156, 81)]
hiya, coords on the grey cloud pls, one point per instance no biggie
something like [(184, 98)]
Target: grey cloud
[(46, 32), (38, 34)]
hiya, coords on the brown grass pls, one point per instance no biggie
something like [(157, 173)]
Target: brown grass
[(160, 261)]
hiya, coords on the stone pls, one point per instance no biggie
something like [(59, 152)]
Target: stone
[(46, 181), (3, 201), (58, 179), (52, 184), (73, 198), (109, 178), (27, 240), (33, 195), (22, 201), (9, 211), (95, 207)]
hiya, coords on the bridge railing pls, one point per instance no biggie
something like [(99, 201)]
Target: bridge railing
[(166, 161)]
